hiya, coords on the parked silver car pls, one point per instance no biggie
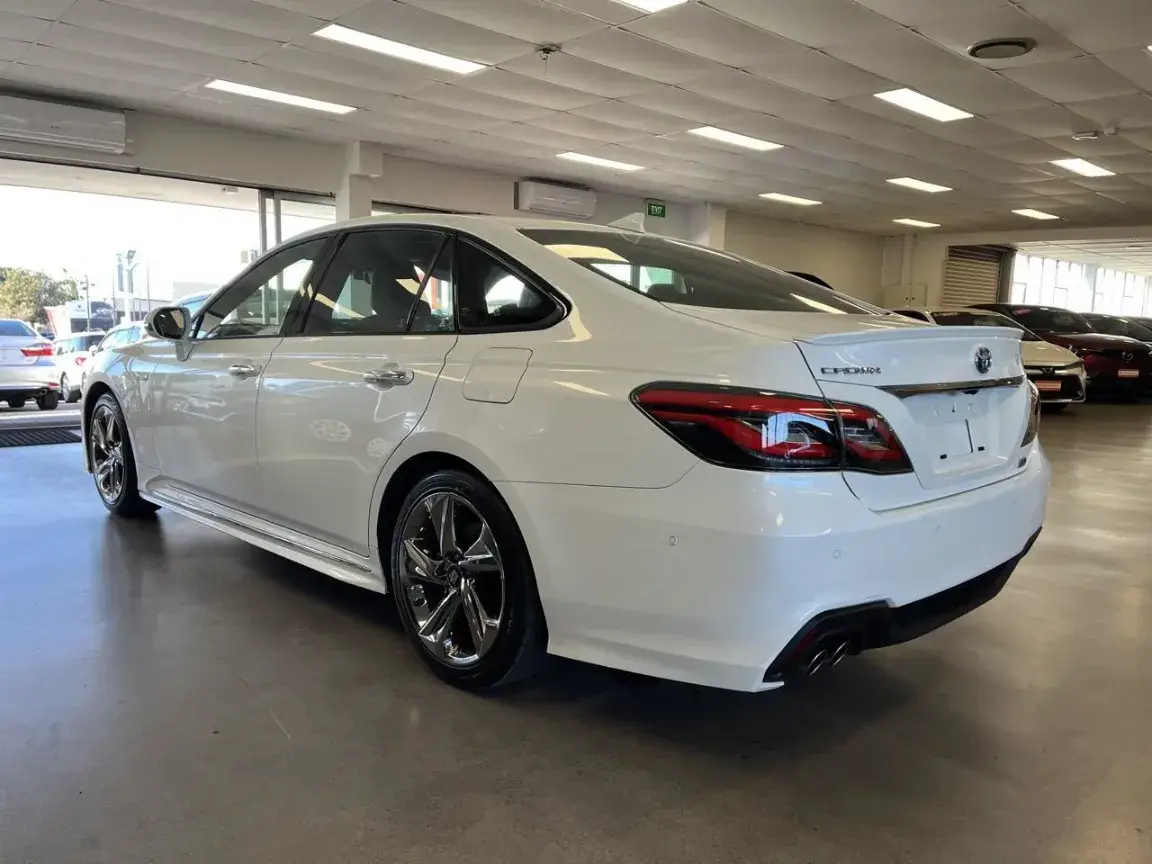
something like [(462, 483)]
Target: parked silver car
[(71, 353), (27, 370)]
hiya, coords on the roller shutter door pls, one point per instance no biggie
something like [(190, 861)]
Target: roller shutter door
[(972, 275)]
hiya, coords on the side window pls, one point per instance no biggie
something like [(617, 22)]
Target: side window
[(258, 302), (373, 286), (491, 297), (911, 313)]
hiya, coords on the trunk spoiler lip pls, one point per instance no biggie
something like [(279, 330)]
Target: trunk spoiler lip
[(908, 334), (905, 390)]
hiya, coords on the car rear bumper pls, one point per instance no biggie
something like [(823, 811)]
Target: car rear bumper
[(710, 580), (28, 381), (1057, 387)]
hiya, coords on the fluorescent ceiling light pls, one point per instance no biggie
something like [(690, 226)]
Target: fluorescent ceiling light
[(652, 5), (411, 53), (598, 162), (790, 199), (1083, 166), (1035, 214), (919, 185), (734, 138), (277, 96), (918, 103), (916, 223)]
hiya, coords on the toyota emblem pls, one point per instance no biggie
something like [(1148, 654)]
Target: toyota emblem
[(983, 360)]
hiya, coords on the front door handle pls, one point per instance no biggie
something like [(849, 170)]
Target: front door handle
[(243, 370), (391, 375)]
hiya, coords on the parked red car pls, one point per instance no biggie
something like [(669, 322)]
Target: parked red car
[(1114, 364)]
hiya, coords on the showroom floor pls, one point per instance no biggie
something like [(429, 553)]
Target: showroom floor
[(169, 694)]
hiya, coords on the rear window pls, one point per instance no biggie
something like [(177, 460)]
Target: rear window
[(86, 342), (15, 328), (1052, 320), (982, 319), (672, 271)]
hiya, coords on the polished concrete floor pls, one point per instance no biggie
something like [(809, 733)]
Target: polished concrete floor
[(170, 695)]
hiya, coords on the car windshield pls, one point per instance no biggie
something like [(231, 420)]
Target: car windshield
[(673, 271), (10, 327), (958, 318), (1050, 320)]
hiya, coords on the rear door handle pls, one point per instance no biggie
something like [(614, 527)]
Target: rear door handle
[(390, 375), (243, 370)]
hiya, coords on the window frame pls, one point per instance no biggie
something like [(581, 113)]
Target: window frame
[(561, 307), (319, 265)]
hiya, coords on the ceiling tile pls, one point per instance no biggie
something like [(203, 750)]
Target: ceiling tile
[(585, 127), (979, 91), (1107, 146), (111, 18), (707, 33), (913, 13), (531, 20), (1054, 187), (1050, 121), (243, 16), (344, 70), (327, 10), (108, 67), (557, 142), (451, 96), (819, 74), (1131, 163), (902, 56), (681, 103), (1075, 80), (1133, 111), (578, 74), (958, 27), (974, 132), (640, 56), (49, 10), (633, 117), (1142, 137), (10, 50), (498, 82), (21, 28), (749, 91), (114, 91), (1135, 64), (144, 51), (1027, 151), (817, 23), (403, 23), (1098, 25)]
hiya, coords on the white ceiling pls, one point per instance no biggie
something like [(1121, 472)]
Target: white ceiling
[(627, 86), (1131, 256)]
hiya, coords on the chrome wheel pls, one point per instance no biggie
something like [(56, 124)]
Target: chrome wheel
[(451, 578), (107, 453)]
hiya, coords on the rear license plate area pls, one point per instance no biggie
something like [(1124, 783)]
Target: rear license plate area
[(950, 440), (1048, 386), (1129, 373)]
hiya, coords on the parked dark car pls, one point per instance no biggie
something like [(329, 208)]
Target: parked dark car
[(1114, 364), (1120, 325)]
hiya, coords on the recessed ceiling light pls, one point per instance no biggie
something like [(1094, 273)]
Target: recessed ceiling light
[(399, 50), (916, 223), (918, 103), (919, 185), (789, 199), (1083, 166), (277, 96), (598, 162), (1002, 49), (1035, 214), (652, 5), (734, 138)]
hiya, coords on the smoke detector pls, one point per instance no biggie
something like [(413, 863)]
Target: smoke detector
[(1002, 49)]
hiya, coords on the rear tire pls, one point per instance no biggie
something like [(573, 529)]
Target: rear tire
[(467, 596), (113, 465), (48, 401), (16, 403), (1055, 409), (70, 395)]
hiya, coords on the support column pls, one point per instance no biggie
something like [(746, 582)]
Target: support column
[(364, 163), (707, 224)]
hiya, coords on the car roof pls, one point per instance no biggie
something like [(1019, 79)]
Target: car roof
[(461, 223)]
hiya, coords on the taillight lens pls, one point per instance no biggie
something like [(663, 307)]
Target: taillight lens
[(79, 359), (755, 430), (37, 351), (1033, 414)]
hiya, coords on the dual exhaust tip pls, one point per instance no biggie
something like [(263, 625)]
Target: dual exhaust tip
[(828, 654)]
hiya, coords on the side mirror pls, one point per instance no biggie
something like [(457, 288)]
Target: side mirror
[(167, 322)]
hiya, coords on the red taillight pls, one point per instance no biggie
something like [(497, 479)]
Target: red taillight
[(79, 359), (37, 351), (1033, 415), (751, 429)]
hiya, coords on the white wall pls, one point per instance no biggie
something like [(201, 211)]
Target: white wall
[(848, 261)]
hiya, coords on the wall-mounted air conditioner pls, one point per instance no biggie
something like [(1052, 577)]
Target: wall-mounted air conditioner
[(62, 125), (537, 197)]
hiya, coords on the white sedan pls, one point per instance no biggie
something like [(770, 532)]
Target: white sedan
[(551, 438)]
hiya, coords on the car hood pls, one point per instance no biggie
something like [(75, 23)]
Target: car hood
[(1097, 341), (1046, 354)]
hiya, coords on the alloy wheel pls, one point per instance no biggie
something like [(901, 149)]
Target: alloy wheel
[(107, 445), (452, 579)]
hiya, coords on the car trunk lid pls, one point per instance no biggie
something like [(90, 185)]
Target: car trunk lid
[(11, 353)]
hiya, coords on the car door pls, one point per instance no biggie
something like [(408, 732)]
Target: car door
[(202, 391), (340, 395)]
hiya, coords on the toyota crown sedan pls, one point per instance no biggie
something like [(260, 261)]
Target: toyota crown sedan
[(551, 438)]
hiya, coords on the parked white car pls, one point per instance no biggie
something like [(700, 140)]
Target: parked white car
[(122, 334), (71, 354), (26, 368), (549, 437), (1057, 372)]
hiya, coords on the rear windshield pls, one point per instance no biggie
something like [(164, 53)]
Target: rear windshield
[(87, 342), (675, 272), (15, 328), (1052, 320), (982, 319)]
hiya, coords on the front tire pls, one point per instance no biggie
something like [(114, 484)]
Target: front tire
[(48, 401), (113, 465), (70, 395), (464, 584)]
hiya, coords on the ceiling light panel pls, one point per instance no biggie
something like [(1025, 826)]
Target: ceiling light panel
[(399, 50), (918, 103), (726, 137), (598, 162), (651, 5), (1083, 166), (918, 185), (916, 223), (277, 96), (789, 199), (1035, 214)]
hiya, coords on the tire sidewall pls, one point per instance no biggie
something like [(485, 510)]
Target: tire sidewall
[(520, 598), (129, 485)]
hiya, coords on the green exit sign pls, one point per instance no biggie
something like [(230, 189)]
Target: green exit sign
[(658, 209)]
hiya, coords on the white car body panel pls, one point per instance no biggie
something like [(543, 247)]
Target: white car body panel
[(646, 557)]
